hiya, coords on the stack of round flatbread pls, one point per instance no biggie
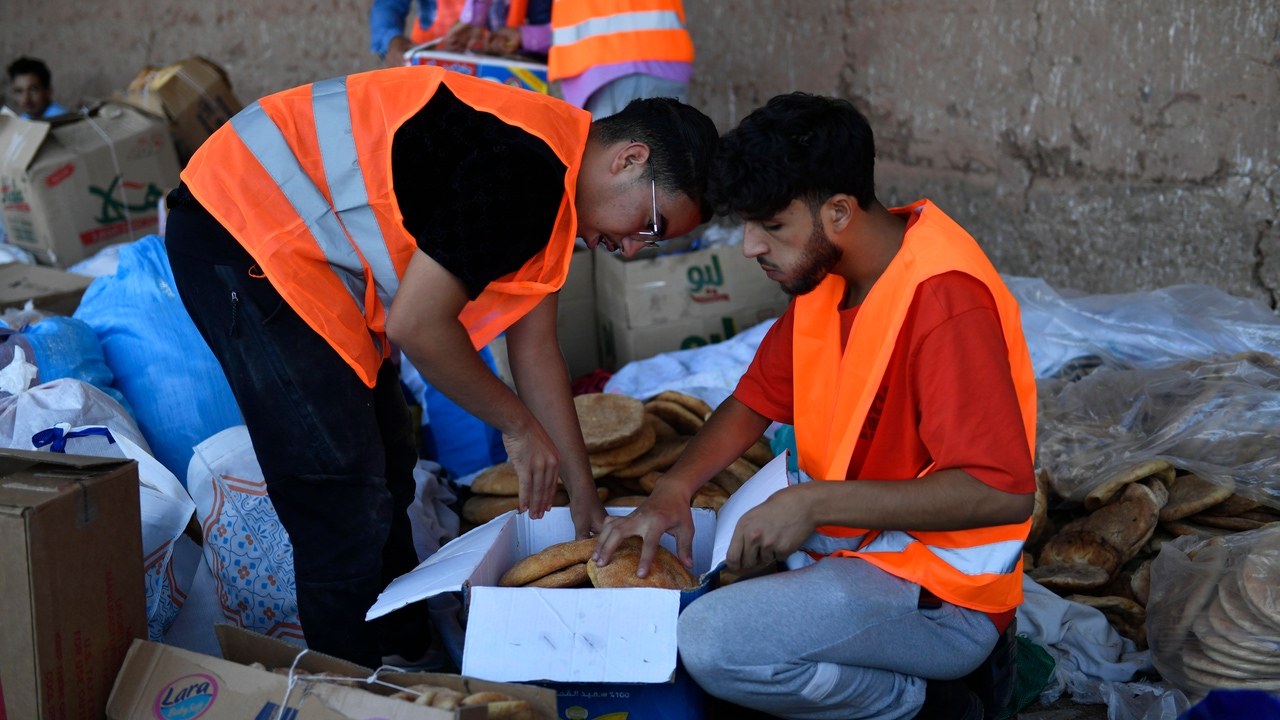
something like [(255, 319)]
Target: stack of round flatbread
[(500, 705), (569, 565), (1238, 628), (1102, 554)]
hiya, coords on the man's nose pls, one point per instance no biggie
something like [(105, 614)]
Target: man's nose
[(753, 244), (631, 246)]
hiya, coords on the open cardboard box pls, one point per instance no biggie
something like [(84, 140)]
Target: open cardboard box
[(602, 650), (160, 681)]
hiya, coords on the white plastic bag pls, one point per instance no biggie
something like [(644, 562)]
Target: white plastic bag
[(245, 546), (75, 417), (433, 522)]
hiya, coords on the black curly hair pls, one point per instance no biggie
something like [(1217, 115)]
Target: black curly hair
[(30, 66), (798, 146), (682, 142)]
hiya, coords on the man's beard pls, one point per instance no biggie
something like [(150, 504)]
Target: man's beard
[(820, 255)]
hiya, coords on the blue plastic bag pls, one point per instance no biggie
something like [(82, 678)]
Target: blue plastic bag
[(161, 364), (68, 348)]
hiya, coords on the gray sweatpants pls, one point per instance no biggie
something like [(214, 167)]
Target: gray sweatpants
[(616, 94), (838, 639)]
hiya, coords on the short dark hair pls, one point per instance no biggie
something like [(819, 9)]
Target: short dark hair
[(31, 66), (798, 146), (682, 142)]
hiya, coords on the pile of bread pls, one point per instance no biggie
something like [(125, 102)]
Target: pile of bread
[(570, 565), (500, 705), (630, 444), (1101, 555), (1233, 610)]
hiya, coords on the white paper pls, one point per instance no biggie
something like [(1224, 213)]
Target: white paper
[(522, 634), (771, 478)]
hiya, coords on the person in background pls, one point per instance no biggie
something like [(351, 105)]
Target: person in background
[(902, 365), (500, 27), (606, 54), (32, 87), (386, 26)]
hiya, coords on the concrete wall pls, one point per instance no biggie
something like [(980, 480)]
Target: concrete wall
[(1102, 144)]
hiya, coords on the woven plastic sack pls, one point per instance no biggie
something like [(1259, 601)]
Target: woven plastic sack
[(1216, 419), (161, 363), (68, 348), (245, 546), (1213, 617)]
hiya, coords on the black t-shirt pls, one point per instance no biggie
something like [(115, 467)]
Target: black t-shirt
[(479, 196)]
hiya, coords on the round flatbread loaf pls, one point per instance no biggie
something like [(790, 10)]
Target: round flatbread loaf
[(1105, 489), (676, 415), (1238, 611), (1080, 546), (1125, 523), (1234, 505), (501, 706), (1210, 681), (709, 495), (665, 571), (1178, 528), (572, 576), (661, 457), (627, 501), (599, 471), (1126, 616), (1040, 512), (650, 481), (1227, 636), (608, 420), (1260, 581), (1193, 658), (661, 430), (622, 455), (1069, 577), (501, 479), (480, 509), (1189, 494), (689, 402), (1140, 583), (759, 454), (553, 559), (431, 696), (1227, 522)]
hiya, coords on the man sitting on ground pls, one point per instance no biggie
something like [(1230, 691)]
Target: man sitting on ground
[(32, 88), (902, 365)]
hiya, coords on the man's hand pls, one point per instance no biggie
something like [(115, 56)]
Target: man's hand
[(589, 516), (503, 41), (772, 530), (396, 49), (463, 37), (537, 464), (666, 511)]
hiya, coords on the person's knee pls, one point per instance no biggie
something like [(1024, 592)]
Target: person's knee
[(703, 643)]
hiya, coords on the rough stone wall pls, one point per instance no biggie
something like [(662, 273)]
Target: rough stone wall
[(1102, 144)]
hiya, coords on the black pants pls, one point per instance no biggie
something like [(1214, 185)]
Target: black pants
[(337, 456)]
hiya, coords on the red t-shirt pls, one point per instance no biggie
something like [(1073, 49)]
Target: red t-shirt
[(947, 396)]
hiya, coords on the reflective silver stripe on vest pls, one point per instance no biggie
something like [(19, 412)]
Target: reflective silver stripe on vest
[(622, 22), (346, 183), (260, 134), (997, 558)]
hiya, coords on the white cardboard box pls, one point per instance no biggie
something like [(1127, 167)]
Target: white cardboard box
[(585, 635)]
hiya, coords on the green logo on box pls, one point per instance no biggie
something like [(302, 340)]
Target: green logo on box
[(705, 282), (113, 209)]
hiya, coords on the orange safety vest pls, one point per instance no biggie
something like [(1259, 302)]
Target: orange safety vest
[(448, 12), (979, 568), (587, 33), (302, 179)]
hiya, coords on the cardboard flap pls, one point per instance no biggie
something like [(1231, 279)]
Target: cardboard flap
[(12, 461), (449, 570), (527, 634), (20, 141), (771, 478), (245, 646)]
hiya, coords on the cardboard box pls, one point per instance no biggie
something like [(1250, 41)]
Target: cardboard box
[(74, 185), (49, 289), (517, 73), (72, 596), (160, 682), (576, 315), (656, 304), (194, 95), (603, 650)]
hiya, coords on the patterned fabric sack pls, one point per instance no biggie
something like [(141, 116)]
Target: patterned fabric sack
[(245, 545)]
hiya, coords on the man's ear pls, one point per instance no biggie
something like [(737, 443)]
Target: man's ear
[(626, 155), (837, 212)]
